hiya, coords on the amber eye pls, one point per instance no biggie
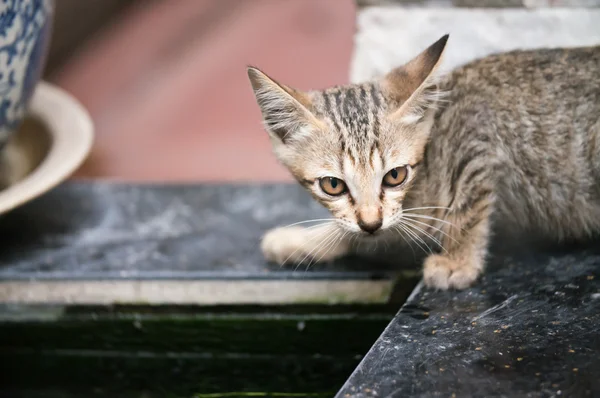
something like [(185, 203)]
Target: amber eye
[(332, 186), (395, 177)]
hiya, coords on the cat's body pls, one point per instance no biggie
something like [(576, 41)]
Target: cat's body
[(525, 125), (516, 137)]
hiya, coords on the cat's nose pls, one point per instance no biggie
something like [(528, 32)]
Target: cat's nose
[(369, 219), (370, 227)]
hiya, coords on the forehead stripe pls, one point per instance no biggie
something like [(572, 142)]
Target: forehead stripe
[(349, 104), (330, 111)]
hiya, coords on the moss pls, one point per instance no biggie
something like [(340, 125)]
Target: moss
[(175, 352)]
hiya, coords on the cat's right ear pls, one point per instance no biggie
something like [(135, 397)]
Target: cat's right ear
[(411, 88), (286, 112)]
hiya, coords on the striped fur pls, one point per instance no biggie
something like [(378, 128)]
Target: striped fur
[(513, 136)]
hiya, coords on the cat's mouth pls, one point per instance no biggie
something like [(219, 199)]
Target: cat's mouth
[(372, 235)]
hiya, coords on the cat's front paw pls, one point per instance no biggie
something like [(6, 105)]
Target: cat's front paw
[(298, 245), (283, 245), (444, 273)]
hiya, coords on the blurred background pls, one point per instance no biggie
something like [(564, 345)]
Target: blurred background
[(166, 85)]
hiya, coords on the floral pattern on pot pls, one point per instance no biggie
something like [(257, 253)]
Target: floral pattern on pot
[(25, 29)]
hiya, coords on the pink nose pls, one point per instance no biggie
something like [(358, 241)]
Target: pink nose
[(370, 227), (369, 219)]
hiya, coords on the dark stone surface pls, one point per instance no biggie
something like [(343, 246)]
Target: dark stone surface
[(530, 328), (105, 230)]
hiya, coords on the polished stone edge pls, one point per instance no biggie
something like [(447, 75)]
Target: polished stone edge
[(502, 337), (197, 292), (203, 275)]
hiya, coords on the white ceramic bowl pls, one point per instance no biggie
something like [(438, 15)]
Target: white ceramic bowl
[(53, 141)]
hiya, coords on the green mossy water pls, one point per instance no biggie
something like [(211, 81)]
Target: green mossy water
[(186, 352)]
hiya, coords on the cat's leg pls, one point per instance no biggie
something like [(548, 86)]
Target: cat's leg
[(465, 243), (289, 245)]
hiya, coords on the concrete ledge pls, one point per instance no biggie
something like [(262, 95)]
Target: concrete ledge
[(106, 243), (208, 292)]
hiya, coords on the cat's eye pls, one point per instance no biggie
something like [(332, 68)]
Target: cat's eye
[(332, 186), (395, 176)]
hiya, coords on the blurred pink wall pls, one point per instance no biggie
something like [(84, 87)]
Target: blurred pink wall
[(166, 83)]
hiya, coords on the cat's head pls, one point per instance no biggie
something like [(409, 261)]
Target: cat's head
[(357, 148)]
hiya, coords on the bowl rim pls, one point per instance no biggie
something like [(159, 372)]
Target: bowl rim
[(71, 133)]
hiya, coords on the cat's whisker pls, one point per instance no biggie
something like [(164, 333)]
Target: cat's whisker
[(435, 228), (412, 236), (322, 243), (359, 242), (416, 235), (319, 225), (354, 239), (309, 221), (324, 247), (387, 247), (426, 208), (397, 229), (332, 247), (430, 236), (422, 231), (412, 215), (376, 245), (325, 225), (301, 249), (317, 235), (340, 240)]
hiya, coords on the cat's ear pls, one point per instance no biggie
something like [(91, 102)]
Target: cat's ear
[(411, 88), (287, 113)]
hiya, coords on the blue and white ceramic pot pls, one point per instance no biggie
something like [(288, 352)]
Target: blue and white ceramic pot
[(25, 29)]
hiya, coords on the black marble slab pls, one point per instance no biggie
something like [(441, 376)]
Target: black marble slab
[(530, 328), (118, 231)]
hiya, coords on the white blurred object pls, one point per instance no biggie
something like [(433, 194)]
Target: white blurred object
[(41, 155), (389, 36)]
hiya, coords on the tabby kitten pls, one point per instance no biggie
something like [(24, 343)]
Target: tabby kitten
[(408, 156)]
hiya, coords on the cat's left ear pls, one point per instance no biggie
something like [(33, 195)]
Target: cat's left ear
[(287, 112), (411, 88)]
